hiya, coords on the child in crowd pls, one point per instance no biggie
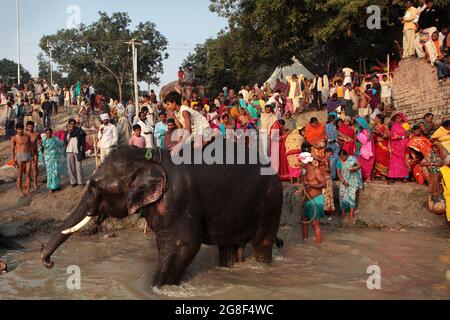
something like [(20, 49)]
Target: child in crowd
[(169, 144), (160, 130), (136, 139)]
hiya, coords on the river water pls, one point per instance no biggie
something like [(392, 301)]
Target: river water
[(414, 264)]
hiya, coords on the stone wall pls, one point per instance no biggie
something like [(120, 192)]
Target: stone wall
[(417, 91)]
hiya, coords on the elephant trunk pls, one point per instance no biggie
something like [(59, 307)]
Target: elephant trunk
[(73, 223)]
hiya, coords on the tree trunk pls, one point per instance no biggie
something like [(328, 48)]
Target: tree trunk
[(119, 85)]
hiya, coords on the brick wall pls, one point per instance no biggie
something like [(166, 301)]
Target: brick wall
[(417, 91)]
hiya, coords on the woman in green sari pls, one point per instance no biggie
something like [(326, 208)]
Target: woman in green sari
[(54, 151), (349, 172)]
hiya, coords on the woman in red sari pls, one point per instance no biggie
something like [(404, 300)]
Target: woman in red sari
[(347, 135), (382, 148), (420, 147), (280, 138)]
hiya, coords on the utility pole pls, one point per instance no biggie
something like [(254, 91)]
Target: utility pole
[(134, 45), (18, 42), (49, 46)]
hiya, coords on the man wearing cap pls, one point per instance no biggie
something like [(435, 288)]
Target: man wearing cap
[(107, 137), (315, 200)]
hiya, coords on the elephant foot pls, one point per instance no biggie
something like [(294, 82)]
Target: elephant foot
[(239, 253), (226, 259)]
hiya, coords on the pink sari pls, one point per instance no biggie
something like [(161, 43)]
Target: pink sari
[(366, 157), (398, 168)]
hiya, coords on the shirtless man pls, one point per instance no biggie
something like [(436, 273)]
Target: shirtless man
[(22, 155), (36, 140), (314, 185)]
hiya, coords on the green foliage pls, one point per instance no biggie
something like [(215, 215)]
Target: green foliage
[(97, 53), (323, 34), (8, 72)]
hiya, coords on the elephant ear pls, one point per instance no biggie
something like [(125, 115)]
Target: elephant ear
[(147, 186)]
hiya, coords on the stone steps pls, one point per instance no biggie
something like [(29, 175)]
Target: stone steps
[(417, 91)]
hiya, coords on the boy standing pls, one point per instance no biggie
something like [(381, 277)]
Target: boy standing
[(160, 130), (35, 140), (10, 120), (21, 152), (136, 139)]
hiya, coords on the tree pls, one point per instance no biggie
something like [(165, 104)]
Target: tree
[(324, 34), (8, 72), (99, 52), (44, 71)]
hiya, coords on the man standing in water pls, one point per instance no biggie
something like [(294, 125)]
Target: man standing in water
[(35, 140), (314, 207), (21, 152)]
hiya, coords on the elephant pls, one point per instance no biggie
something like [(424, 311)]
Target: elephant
[(185, 89), (170, 87), (185, 205)]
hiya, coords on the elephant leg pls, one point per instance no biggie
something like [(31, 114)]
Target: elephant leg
[(176, 252), (226, 256), (239, 253), (263, 250)]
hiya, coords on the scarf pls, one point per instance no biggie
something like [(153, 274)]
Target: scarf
[(315, 135)]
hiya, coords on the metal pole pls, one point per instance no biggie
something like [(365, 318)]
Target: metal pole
[(18, 42), (135, 66), (136, 89), (51, 67)]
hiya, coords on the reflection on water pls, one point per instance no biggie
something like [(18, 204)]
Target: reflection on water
[(414, 265)]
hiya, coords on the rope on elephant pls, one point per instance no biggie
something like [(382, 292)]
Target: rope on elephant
[(302, 190)]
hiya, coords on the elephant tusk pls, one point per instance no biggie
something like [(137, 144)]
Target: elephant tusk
[(80, 225)]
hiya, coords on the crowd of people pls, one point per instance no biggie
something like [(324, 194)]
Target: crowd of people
[(362, 140), (425, 34)]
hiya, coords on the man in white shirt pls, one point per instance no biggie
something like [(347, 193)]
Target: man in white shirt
[(296, 87), (146, 129), (107, 137), (386, 92), (348, 76)]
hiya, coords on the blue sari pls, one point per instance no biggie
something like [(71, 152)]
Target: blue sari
[(54, 151), (332, 134), (347, 195)]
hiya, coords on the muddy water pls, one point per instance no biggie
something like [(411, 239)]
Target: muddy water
[(414, 265)]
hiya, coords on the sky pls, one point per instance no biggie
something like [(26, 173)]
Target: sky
[(184, 23)]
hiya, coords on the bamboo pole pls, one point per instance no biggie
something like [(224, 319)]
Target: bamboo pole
[(95, 151)]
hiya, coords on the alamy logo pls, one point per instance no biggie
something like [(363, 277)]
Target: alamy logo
[(74, 19), (242, 147), (74, 280), (374, 20), (374, 280)]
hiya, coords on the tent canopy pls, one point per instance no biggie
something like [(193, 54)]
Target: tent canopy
[(295, 68)]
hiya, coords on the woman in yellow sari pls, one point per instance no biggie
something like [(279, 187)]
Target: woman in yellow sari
[(445, 171), (442, 135)]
